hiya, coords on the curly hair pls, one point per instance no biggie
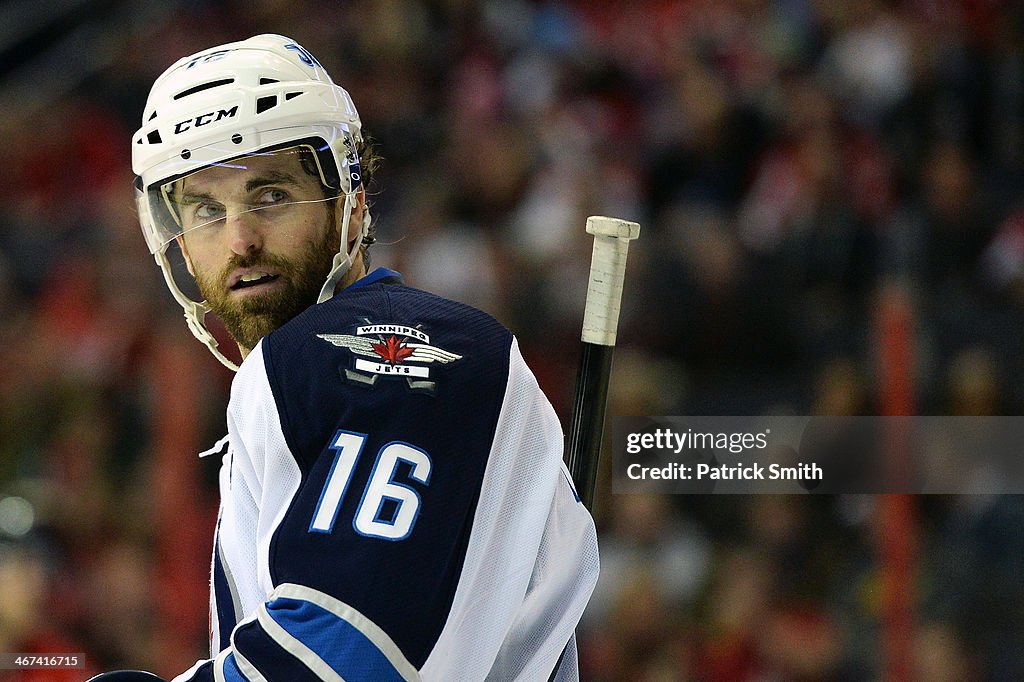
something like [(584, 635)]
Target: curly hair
[(369, 162)]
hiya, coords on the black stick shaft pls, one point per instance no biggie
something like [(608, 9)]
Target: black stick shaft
[(588, 413), (582, 456)]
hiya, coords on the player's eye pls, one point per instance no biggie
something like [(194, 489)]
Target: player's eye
[(208, 210), (271, 197)]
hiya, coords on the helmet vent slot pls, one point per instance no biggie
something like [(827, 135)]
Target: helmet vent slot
[(151, 116), (264, 103), (154, 137), (291, 95), (204, 86), (268, 81)]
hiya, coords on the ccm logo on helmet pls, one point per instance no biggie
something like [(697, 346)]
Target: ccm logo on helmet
[(204, 119)]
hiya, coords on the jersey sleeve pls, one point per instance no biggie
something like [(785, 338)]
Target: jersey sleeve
[(395, 530)]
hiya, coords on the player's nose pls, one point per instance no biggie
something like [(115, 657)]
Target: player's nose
[(243, 231)]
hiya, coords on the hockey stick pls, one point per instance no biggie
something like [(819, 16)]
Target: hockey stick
[(600, 323)]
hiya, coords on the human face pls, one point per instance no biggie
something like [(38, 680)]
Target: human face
[(259, 238)]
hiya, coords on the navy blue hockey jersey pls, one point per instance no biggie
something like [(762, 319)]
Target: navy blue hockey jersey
[(393, 503)]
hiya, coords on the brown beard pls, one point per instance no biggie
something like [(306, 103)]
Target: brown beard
[(252, 318)]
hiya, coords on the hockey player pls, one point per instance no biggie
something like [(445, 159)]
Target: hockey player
[(393, 500)]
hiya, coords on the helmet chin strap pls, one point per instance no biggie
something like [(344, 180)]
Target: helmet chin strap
[(344, 259), (195, 313)]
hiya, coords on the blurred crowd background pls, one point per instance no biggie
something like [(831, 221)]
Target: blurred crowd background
[(790, 161)]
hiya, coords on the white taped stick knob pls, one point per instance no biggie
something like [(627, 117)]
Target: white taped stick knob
[(607, 272)]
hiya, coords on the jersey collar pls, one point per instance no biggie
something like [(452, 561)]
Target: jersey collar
[(378, 275)]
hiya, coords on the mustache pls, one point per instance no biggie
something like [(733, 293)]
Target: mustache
[(261, 259)]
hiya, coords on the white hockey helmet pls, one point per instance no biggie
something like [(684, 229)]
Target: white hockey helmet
[(257, 95)]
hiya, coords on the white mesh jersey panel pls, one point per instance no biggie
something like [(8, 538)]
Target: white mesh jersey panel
[(531, 563), (258, 488), (563, 578)]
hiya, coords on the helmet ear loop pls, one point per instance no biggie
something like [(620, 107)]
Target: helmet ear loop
[(345, 257), (195, 312)]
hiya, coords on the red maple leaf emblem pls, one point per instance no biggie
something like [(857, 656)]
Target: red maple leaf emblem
[(393, 350)]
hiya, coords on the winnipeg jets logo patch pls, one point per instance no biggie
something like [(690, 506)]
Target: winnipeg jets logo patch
[(391, 350)]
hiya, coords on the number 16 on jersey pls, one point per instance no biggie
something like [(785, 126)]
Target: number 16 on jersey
[(387, 509)]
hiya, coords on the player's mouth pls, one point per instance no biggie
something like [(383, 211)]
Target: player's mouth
[(253, 280)]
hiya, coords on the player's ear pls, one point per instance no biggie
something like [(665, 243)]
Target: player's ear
[(184, 252)]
